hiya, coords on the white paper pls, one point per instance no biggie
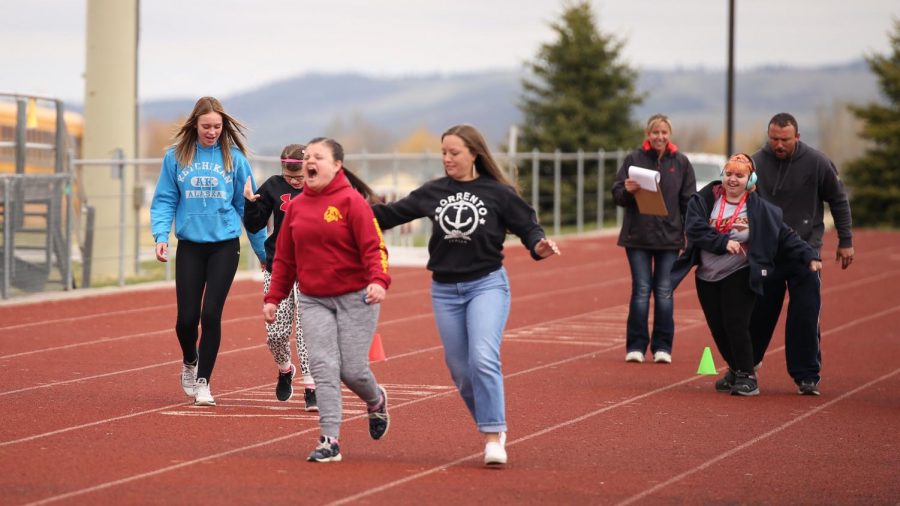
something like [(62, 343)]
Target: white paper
[(648, 179)]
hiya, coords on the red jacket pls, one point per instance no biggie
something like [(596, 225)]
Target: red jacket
[(330, 243)]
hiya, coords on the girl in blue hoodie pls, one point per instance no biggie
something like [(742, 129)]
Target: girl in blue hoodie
[(200, 187)]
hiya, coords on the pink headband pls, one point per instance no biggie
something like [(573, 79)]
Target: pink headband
[(291, 160)]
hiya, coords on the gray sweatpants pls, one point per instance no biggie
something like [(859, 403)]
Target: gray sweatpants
[(338, 333)]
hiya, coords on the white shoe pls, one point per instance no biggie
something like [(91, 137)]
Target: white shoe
[(188, 378), (203, 396), (662, 357), (495, 453), (634, 356)]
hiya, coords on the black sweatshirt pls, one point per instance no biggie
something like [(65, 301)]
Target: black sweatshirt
[(274, 196), (470, 220), (799, 186)]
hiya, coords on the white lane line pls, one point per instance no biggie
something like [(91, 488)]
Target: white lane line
[(156, 472), (748, 444)]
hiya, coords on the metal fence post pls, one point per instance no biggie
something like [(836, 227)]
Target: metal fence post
[(601, 187), (535, 180), (579, 198), (557, 199)]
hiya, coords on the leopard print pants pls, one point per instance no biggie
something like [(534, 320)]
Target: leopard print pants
[(278, 334)]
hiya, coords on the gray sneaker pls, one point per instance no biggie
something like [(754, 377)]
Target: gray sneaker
[(328, 450), (808, 387), (188, 378)]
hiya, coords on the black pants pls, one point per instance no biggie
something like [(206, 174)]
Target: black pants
[(802, 338), (203, 276), (727, 305)]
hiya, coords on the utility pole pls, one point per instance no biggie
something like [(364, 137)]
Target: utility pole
[(729, 93)]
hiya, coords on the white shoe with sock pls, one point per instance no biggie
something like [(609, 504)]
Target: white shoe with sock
[(203, 396), (188, 378), (495, 453)]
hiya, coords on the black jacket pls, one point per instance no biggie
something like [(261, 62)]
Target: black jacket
[(800, 186), (769, 236), (274, 195), (677, 183)]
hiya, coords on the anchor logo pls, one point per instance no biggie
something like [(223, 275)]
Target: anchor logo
[(458, 220)]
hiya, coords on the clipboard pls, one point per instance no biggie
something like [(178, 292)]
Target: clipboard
[(649, 201)]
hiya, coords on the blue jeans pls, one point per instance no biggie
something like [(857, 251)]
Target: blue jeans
[(651, 270), (470, 317)]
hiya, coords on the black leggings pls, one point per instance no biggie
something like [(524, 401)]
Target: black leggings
[(200, 267), (727, 305)]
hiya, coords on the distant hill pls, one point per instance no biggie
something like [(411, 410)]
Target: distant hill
[(300, 108)]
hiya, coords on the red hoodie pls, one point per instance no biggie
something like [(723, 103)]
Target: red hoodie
[(329, 242)]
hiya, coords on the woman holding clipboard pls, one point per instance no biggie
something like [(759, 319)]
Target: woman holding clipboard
[(652, 241)]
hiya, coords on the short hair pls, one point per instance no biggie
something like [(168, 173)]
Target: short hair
[(784, 119), (659, 118), (292, 152)]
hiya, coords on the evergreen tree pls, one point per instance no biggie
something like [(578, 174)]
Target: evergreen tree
[(874, 180), (580, 95)]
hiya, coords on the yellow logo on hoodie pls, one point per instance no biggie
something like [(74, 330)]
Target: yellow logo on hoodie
[(332, 214)]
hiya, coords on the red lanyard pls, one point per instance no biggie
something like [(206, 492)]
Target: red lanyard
[(725, 228)]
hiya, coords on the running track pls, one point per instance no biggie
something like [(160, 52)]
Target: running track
[(92, 412)]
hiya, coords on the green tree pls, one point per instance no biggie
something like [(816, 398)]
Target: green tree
[(578, 95), (873, 179)]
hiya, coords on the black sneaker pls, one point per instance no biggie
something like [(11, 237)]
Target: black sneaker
[(725, 383), (309, 397), (808, 387), (379, 421), (328, 450), (283, 389), (744, 384)]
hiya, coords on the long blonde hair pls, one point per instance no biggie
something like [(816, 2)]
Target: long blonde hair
[(484, 162), (186, 138)]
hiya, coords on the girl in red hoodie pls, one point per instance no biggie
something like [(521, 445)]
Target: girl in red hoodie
[(331, 245)]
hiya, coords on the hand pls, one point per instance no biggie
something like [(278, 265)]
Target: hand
[(632, 186), (248, 190), (162, 251), (845, 255), (269, 312), (546, 247), (733, 247), (375, 293), (815, 265)]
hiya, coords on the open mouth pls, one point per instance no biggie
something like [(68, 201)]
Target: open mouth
[(311, 172)]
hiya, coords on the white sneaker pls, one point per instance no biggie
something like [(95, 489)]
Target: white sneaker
[(634, 356), (188, 378), (203, 396), (495, 453), (662, 357)]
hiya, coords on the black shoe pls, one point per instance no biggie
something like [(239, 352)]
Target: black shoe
[(745, 384), (328, 450), (725, 383), (283, 389), (808, 387), (379, 421), (309, 396)]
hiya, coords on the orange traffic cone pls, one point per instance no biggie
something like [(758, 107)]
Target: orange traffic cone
[(376, 351)]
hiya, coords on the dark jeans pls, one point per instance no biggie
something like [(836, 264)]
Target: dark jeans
[(727, 305), (651, 271), (203, 276), (801, 333)]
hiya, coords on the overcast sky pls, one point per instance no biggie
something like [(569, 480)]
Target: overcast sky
[(190, 48)]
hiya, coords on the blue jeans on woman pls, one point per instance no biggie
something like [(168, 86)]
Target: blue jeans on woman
[(470, 317), (651, 271)]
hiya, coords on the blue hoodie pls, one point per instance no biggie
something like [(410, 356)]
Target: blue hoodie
[(206, 202)]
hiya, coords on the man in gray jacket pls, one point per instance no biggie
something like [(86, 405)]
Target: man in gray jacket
[(799, 180)]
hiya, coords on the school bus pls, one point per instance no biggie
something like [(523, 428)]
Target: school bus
[(40, 137)]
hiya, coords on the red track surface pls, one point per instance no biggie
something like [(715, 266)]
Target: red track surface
[(92, 412)]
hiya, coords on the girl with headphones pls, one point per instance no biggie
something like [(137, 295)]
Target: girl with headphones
[(733, 237)]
